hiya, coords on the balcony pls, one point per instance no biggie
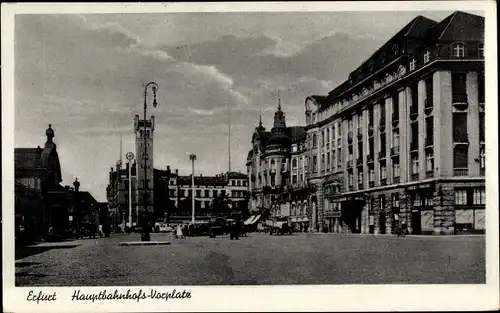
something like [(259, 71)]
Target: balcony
[(370, 130), (459, 100), (381, 154), (413, 112), (371, 184), (369, 158), (359, 161), (460, 172), (383, 181), (415, 176), (395, 119), (396, 180), (360, 133), (429, 174), (395, 151), (349, 164)]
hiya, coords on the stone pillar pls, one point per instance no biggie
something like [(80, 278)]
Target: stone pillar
[(404, 140), (321, 207), (312, 225), (421, 129), (443, 128), (444, 210), (376, 215), (388, 138), (473, 124)]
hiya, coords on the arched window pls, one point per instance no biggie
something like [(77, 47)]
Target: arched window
[(458, 49)]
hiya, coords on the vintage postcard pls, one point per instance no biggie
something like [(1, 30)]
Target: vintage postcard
[(250, 156)]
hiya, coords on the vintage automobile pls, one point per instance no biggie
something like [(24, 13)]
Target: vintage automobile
[(220, 226), (279, 227), (163, 228)]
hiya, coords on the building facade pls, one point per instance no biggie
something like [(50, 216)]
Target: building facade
[(403, 139), (277, 166)]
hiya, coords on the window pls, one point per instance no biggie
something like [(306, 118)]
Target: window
[(461, 196), (459, 127), (413, 64), (482, 158), (460, 157), (315, 141), (429, 131), (328, 159), (395, 106), (381, 200), (328, 135), (480, 50), (233, 183), (414, 164), (479, 196), (207, 193), (333, 158), (383, 171), (417, 201), (395, 169), (395, 138), (429, 157), (339, 130), (360, 178), (350, 179), (459, 83), (458, 50), (215, 193), (322, 138), (294, 163), (294, 179), (315, 163), (395, 200), (371, 174), (339, 158), (427, 56)]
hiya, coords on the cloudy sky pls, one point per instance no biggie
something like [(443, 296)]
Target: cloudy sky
[(84, 73)]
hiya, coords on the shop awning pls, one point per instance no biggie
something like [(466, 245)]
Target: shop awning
[(255, 219), (249, 220)]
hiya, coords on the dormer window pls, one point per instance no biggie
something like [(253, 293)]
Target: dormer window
[(395, 50), (427, 56), (382, 58), (413, 64), (480, 50), (370, 66), (458, 50)]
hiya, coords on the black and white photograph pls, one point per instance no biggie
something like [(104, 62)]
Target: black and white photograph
[(256, 147)]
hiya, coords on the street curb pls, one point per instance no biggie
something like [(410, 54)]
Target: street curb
[(144, 243)]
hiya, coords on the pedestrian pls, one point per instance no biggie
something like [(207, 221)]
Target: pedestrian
[(101, 233), (179, 231)]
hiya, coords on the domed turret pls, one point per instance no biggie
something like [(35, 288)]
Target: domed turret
[(278, 132)]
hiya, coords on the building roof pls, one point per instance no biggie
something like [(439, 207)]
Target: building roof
[(459, 26), (202, 180), (27, 158), (237, 175)]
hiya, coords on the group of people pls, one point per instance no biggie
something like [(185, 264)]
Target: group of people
[(180, 231)]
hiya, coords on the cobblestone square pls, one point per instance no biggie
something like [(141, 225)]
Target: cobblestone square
[(259, 259)]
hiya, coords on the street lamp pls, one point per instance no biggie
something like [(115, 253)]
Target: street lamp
[(130, 157), (145, 228), (192, 157)]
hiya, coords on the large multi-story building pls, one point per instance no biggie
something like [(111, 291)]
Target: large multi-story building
[(277, 167), (402, 140)]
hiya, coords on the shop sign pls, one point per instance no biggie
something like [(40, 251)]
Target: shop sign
[(421, 186)]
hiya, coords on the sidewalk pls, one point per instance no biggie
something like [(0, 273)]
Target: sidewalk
[(394, 236)]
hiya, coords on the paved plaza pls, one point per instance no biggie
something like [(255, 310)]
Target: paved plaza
[(258, 259)]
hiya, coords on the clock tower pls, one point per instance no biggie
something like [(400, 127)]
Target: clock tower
[(144, 153)]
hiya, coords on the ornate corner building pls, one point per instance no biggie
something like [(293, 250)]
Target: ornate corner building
[(401, 140)]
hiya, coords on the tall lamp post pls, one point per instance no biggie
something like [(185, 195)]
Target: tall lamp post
[(192, 157), (130, 157), (145, 229)]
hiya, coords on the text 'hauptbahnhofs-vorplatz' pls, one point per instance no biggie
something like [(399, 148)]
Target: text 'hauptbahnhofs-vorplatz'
[(402, 140)]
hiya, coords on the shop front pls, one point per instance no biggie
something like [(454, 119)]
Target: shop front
[(351, 209), (421, 208)]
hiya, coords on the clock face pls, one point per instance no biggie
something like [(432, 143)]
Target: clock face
[(129, 156)]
